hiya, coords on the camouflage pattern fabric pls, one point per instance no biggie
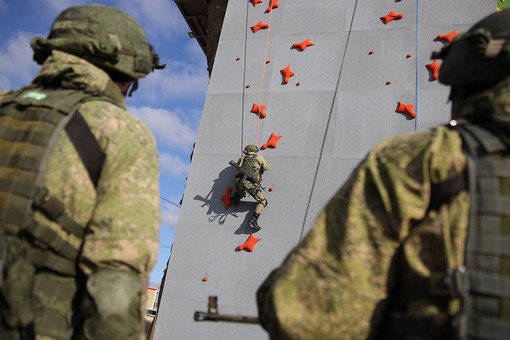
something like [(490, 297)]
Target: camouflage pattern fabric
[(123, 214), (256, 193), (335, 283), (249, 187)]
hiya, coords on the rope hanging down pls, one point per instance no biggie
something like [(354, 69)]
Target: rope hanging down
[(263, 74)]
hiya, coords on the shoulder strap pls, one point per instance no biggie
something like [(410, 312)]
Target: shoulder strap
[(483, 285), (86, 145)]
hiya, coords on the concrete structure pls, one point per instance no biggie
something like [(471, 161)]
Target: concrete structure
[(343, 106)]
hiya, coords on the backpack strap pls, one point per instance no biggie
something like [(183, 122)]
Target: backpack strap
[(86, 145)]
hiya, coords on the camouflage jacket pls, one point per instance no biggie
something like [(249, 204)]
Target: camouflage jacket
[(335, 283), (331, 284), (123, 213)]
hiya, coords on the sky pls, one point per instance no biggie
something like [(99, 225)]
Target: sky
[(168, 101)]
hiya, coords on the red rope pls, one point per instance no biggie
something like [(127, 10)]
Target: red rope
[(263, 73)]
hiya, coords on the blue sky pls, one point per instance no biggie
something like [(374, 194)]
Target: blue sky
[(169, 102)]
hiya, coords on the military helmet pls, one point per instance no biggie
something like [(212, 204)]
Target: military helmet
[(481, 55), (105, 36), (250, 149)]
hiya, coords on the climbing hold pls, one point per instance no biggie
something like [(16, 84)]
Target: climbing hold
[(250, 243), (303, 45), (371, 52), (271, 143), (409, 55), (248, 85), (255, 2), (226, 198), (434, 68), (273, 4), (238, 58), (205, 279), (287, 73), (388, 82), (259, 26), (268, 61), (447, 37), (406, 108), (259, 110), (298, 84), (271, 189), (391, 16)]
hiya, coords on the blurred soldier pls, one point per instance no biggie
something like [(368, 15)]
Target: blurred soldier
[(79, 195), (416, 244), (251, 167)]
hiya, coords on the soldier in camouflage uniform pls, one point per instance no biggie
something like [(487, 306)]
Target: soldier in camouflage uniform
[(375, 262), (254, 165), (93, 52)]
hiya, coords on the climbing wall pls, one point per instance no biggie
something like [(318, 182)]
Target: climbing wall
[(315, 84)]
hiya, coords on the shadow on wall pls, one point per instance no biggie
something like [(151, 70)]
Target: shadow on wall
[(216, 206)]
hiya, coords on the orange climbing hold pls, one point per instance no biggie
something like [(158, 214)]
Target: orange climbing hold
[(271, 143), (434, 68), (371, 52), (226, 198), (248, 85), (268, 61), (409, 55), (298, 84), (255, 2), (447, 37), (205, 279), (273, 4), (388, 82), (406, 108), (391, 16), (303, 45), (271, 189), (287, 73), (259, 26), (238, 58), (259, 110), (250, 243)]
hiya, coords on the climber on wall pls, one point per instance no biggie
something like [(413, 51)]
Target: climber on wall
[(250, 169)]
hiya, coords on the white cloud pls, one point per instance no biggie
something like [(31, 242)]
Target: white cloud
[(194, 52), (169, 215), (168, 128), (16, 65), (177, 80), (172, 165), (159, 18)]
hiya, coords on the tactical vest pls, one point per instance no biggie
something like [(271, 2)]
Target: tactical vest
[(37, 265), (252, 166), (482, 285)]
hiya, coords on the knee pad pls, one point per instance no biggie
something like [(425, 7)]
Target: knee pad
[(117, 298)]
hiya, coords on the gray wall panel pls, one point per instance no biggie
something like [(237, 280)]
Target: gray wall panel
[(300, 118), (304, 16), (221, 124), (453, 12), (363, 71), (368, 15), (366, 118), (433, 114), (316, 68), (328, 124)]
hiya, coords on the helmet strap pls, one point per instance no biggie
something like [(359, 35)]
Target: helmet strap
[(134, 87)]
